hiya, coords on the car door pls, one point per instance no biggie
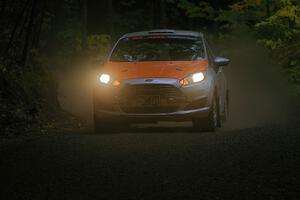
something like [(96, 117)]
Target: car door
[(221, 79)]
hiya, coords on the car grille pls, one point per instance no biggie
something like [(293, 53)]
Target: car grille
[(170, 98)]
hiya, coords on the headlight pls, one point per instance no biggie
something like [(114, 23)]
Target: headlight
[(193, 78), (198, 77), (106, 79)]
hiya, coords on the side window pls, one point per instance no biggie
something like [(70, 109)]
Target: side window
[(211, 56)]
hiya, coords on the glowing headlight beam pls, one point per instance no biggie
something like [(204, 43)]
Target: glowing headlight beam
[(198, 77), (194, 78), (104, 78)]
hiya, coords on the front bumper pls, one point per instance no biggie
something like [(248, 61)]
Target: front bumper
[(153, 117), (196, 104)]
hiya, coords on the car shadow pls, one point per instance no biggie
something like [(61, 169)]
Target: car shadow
[(158, 130), (161, 128)]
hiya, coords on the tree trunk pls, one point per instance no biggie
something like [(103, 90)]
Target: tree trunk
[(111, 18), (39, 30), (3, 8), (268, 8), (37, 26), (19, 19), (28, 33), (163, 18), (84, 24)]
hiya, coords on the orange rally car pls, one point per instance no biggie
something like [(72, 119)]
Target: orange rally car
[(161, 75)]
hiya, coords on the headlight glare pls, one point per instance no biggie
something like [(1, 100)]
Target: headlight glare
[(198, 77), (104, 78), (117, 83), (194, 78)]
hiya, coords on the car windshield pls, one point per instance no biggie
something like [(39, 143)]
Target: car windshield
[(158, 48)]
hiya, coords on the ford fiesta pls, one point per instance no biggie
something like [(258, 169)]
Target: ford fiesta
[(161, 75)]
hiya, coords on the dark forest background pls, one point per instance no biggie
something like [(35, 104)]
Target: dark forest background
[(39, 38)]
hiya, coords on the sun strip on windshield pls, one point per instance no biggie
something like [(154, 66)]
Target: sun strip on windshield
[(164, 37)]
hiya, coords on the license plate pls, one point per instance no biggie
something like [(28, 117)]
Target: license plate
[(148, 101)]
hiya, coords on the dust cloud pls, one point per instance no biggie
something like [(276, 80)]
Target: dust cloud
[(259, 92), (75, 92)]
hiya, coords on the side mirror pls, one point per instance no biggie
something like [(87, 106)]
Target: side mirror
[(221, 61)]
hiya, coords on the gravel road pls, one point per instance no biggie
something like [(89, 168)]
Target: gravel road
[(154, 163)]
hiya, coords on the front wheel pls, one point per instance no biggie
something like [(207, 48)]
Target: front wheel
[(212, 121), (225, 113)]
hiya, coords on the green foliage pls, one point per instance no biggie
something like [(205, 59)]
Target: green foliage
[(242, 14), (70, 44), (274, 32), (71, 50), (278, 30), (27, 95), (98, 45), (202, 10), (281, 33)]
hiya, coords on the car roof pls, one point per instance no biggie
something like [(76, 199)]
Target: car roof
[(168, 32)]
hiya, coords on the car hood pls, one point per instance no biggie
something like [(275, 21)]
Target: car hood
[(157, 69)]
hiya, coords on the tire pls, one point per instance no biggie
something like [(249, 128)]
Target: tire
[(225, 114), (212, 121)]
